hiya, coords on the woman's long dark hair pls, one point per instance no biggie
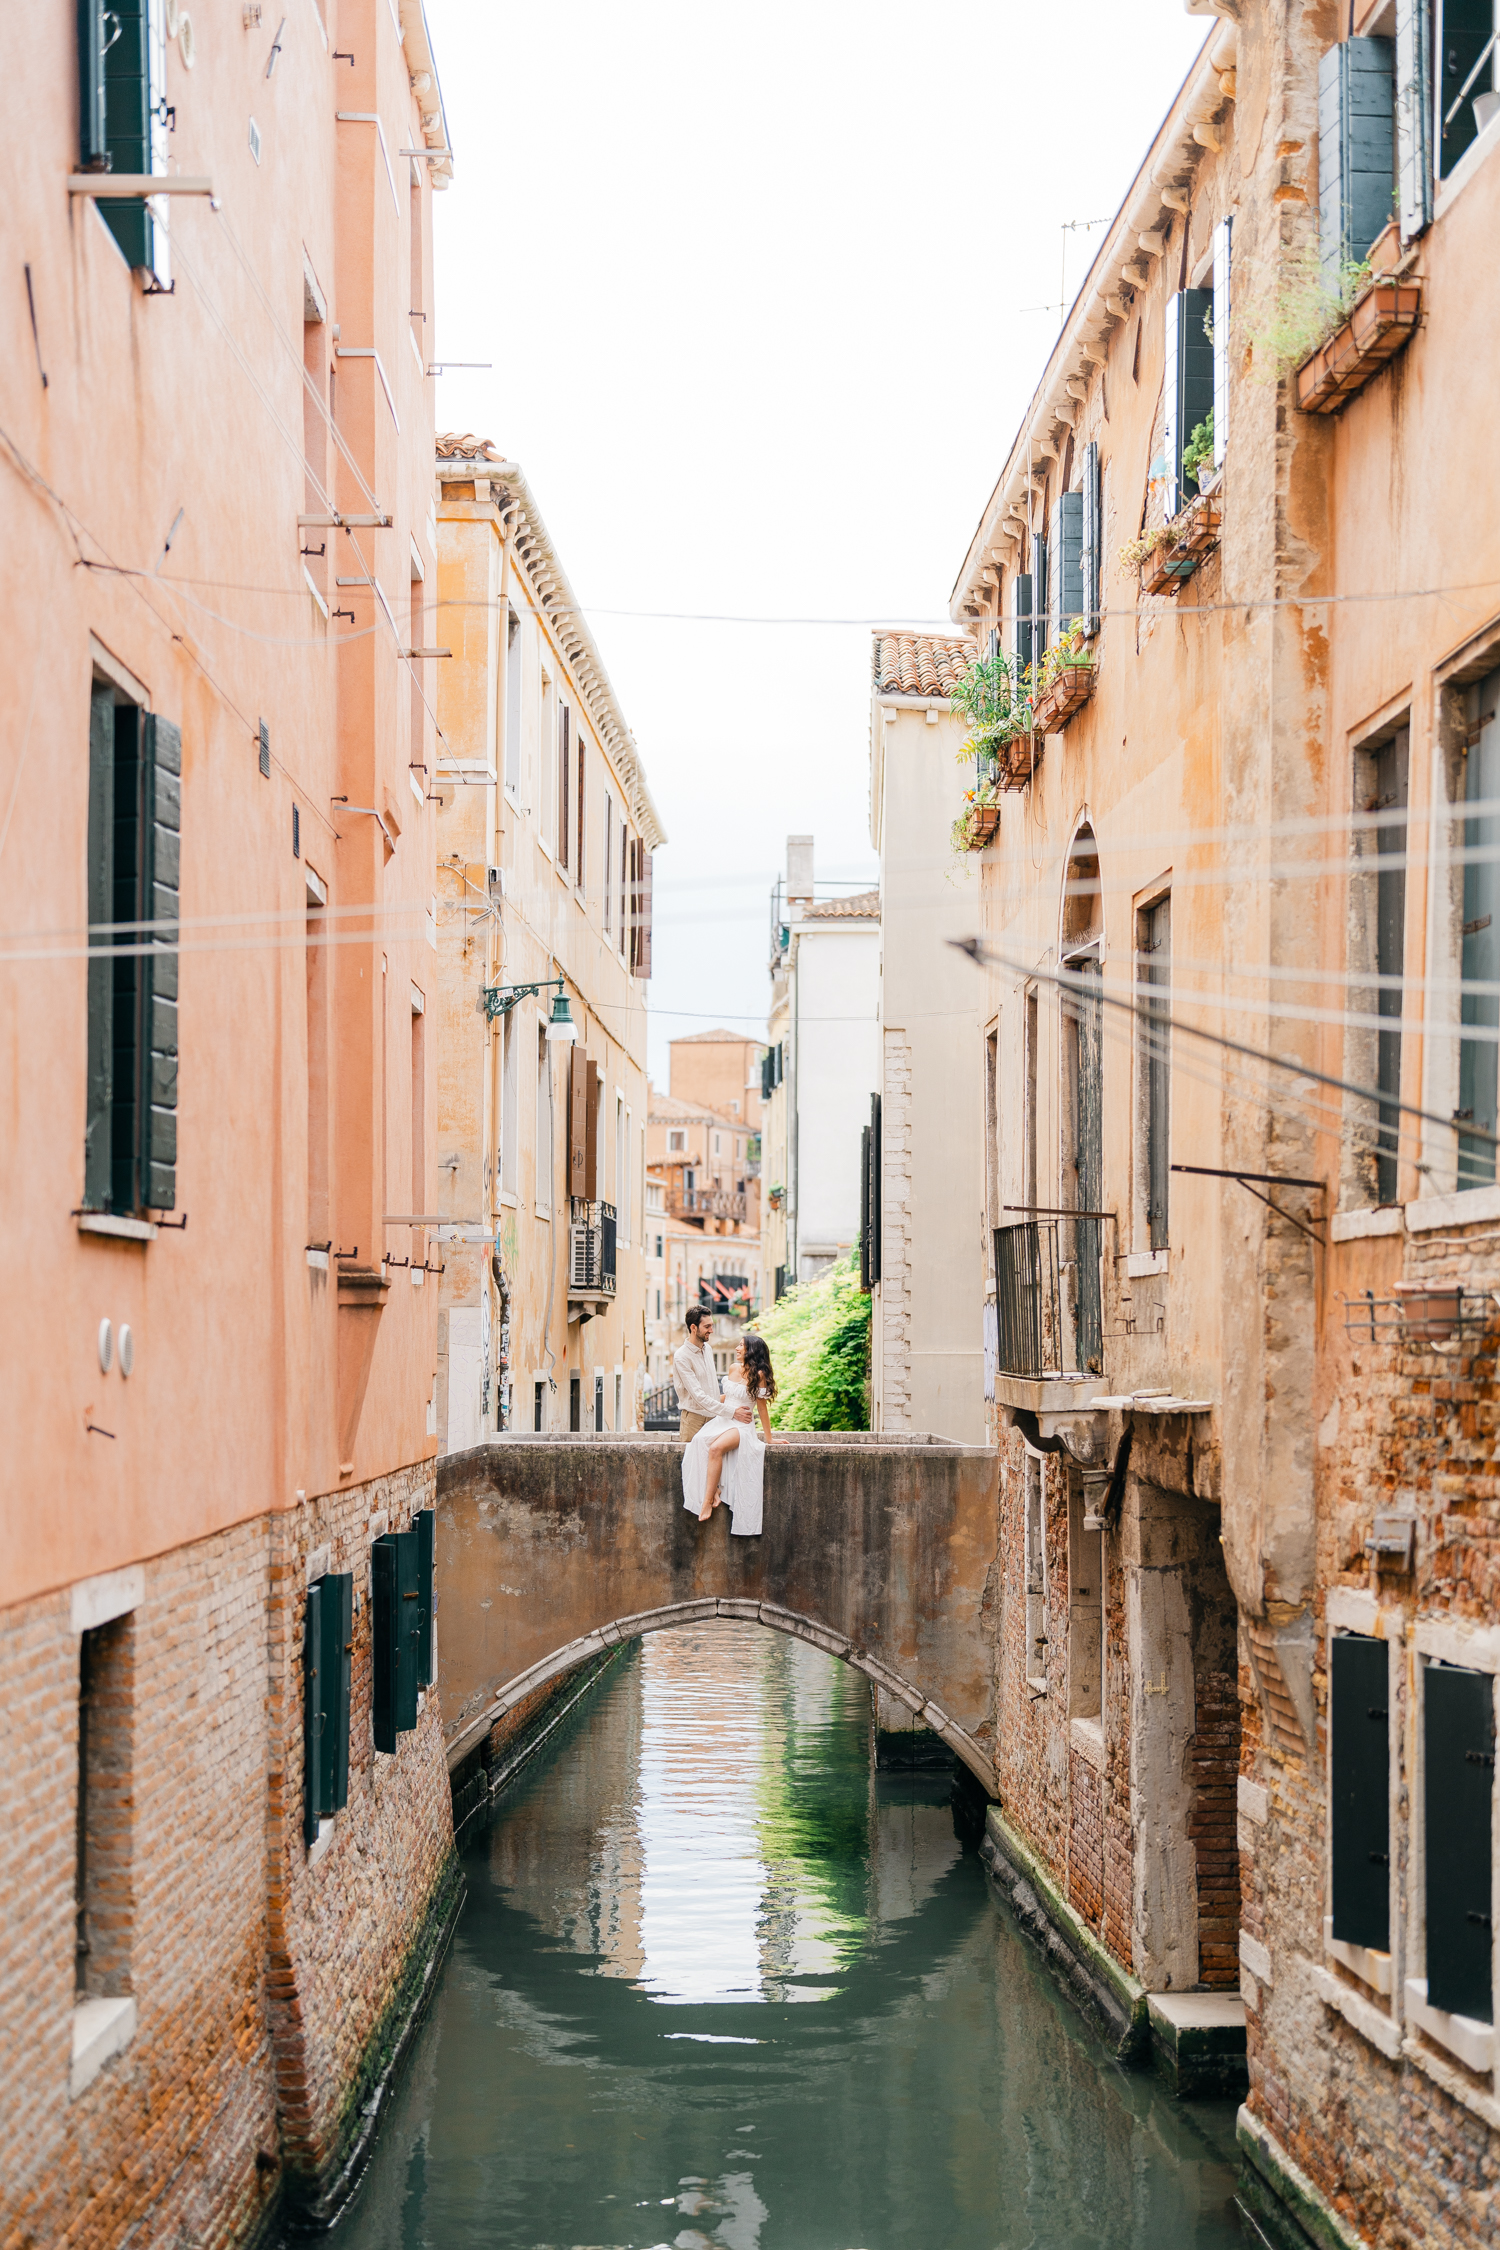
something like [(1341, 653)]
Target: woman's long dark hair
[(760, 1379)]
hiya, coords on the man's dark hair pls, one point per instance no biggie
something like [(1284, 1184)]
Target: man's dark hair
[(698, 1316)]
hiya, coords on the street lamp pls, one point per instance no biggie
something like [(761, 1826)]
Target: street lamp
[(499, 999), (562, 1030)]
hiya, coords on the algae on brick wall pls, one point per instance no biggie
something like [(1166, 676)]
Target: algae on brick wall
[(819, 1339)]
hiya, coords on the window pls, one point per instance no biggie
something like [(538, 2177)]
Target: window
[(1391, 763), (658, 1246), (509, 1166), (609, 862), (318, 1220), (1188, 383), (104, 1889), (622, 1184), (547, 779), (1458, 1746), (1029, 1195), (328, 1629), (1085, 1604), (624, 884), (575, 1402), (676, 1139), (416, 303), (580, 864), (658, 1301), (1067, 575), (619, 1401), (1035, 1561), (1359, 1783), (512, 702), (1154, 1069), (1481, 938), (544, 1151), (1413, 116), (415, 631), (1466, 71), (538, 1406), (1356, 152), (1091, 543), (123, 117), (564, 828), (598, 1402), (135, 813), (992, 1197), (716, 1144), (418, 1101)]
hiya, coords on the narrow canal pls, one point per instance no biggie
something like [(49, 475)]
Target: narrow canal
[(718, 1984)]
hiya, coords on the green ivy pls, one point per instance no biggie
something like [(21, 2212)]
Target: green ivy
[(819, 1339)]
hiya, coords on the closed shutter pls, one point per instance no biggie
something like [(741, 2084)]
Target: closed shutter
[(1039, 597), (1465, 29), (1359, 1790), (1222, 236), (1356, 151), (865, 1278), (608, 1238), (161, 840), (1070, 594), (426, 1543), (1458, 1740), (93, 37), (127, 97), (1092, 538), (101, 974), (633, 905), (564, 772), (408, 1630), (128, 909), (316, 1718), (593, 1098), (1188, 383), (1478, 1077), (578, 1116), (338, 1659), (1413, 116), (875, 1177), (1021, 624), (643, 943), (383, 1665)]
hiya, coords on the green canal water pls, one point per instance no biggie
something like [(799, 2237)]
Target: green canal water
[(717, 1983)]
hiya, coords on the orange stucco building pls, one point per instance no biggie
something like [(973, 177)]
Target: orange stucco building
[(218, 879)]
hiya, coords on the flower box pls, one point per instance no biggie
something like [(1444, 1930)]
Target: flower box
[(982, 824), (1431, 1311), (1378, 327), (1019, 759), (1192, 534), (1068, 693)]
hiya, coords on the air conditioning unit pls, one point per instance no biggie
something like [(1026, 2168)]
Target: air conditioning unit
[(585, 1258)]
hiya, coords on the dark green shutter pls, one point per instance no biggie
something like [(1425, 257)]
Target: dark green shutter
[(1413, 119), (1188, 382), (1479, 1059), (1458, 1740), (338, 1662), (1464, 29), (408, 1630), (864, 1208), (160, 888), (383, 1666), (1356, 150), (127, 98), (315, 1715), (426, 1539), (125, 968), (1091, 538), (1022, 621), (93, 36), (1038, 597), (1359, 1790), (101, 973), (1070, 594)]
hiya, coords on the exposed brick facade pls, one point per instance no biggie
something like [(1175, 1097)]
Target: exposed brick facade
[(266, 1980)]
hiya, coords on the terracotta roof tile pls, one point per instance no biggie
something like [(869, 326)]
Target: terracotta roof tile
[(919, 663), (860, 906), (455, 445)]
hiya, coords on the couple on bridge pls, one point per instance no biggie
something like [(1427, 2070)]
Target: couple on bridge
[(724, 1461)]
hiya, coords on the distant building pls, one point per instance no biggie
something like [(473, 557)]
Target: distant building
[(545, 834), (825, 980), (926, 1255), (700, 1162)]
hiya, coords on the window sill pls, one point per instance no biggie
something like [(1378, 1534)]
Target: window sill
[(1360, 1226), (1453, 2082), (1372, 1968), (1360, 2014), (101, 2030), (1140, 1263), (1471, 2041), (1087, 1738), (318, 1848), (1037, 1686), (1432, 1211), (123, 1230)]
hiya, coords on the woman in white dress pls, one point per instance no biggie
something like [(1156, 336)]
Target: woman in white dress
[(725, 1463)]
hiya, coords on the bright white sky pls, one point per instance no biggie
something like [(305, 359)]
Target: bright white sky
[(758, 287)]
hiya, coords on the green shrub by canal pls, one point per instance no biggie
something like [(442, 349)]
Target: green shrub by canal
[(819, 1339)]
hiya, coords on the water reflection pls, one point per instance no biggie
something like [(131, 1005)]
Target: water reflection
[(622, 2054)]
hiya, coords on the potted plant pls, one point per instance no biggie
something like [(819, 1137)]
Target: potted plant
[(978, 819), (1066, 681)]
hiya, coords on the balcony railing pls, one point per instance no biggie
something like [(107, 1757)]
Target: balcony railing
[(662, 1410), (706, 1203), (1048, 1297)]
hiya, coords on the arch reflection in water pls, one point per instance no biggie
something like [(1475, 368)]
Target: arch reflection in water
[(717, 1983)]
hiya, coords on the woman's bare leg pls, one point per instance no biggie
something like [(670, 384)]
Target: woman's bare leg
[(716, 1453)]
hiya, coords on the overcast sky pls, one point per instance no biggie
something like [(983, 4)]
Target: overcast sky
[(767, 292)]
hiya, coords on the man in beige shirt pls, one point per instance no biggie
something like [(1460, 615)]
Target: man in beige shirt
[(695, 1378)]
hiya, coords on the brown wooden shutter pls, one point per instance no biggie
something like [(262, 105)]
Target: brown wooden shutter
[(578, 871), (632, 917), (578, 1069), (593, 1094), (562, 784), (642, 961)]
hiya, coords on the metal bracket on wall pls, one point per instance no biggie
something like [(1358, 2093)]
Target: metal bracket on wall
[(1248, 1180)]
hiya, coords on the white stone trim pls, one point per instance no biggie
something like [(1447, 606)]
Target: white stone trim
[(1362, 1961), (1253, 1800), (1139, 1264), (1351, 1609), (1453, 2082), (101, 2030), (1087, 1738), (1255, 1957), (1370, 2022), (1361, 1226), (95, 1601), (1455, 1641), (1432, 1211), (1471, 2041)]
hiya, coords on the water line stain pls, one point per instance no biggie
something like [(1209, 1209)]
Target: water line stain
[(707, 1863)]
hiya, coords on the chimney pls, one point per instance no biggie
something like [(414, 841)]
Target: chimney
[(799, 871)]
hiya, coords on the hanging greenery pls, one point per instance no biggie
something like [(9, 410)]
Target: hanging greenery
[(818, 1335)]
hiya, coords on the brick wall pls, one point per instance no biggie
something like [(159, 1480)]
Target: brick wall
[(267, 1984)]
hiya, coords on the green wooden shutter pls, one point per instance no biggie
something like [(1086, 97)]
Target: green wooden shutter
[(1070, 593), (1356, 150), (1359, 1790), (865, 1276), (408, 1630), (338, 1662), (1465, 28), (1479, 1059), (1222, 236), (426, 1543), (127, 97), (1021, 624), (101, 973), (315, 1716), (1092, 540), (1039, 594), (94, 34), (1458, 1740), (1188, 392), (383, 1664), (161, 839), (1413, 116), (125, 968)]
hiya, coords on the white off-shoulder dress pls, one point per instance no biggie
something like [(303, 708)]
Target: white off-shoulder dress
[(742, 1477)]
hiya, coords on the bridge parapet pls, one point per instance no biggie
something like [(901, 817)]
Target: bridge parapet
[(882, 1551)]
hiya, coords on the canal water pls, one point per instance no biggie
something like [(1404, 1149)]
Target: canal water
[(717, 1983)]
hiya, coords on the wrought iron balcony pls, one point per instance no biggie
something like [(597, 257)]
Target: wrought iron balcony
[(1047, 1298), (706, 1203)]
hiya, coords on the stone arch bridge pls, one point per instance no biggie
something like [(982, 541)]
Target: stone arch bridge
[(881, 1550)]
